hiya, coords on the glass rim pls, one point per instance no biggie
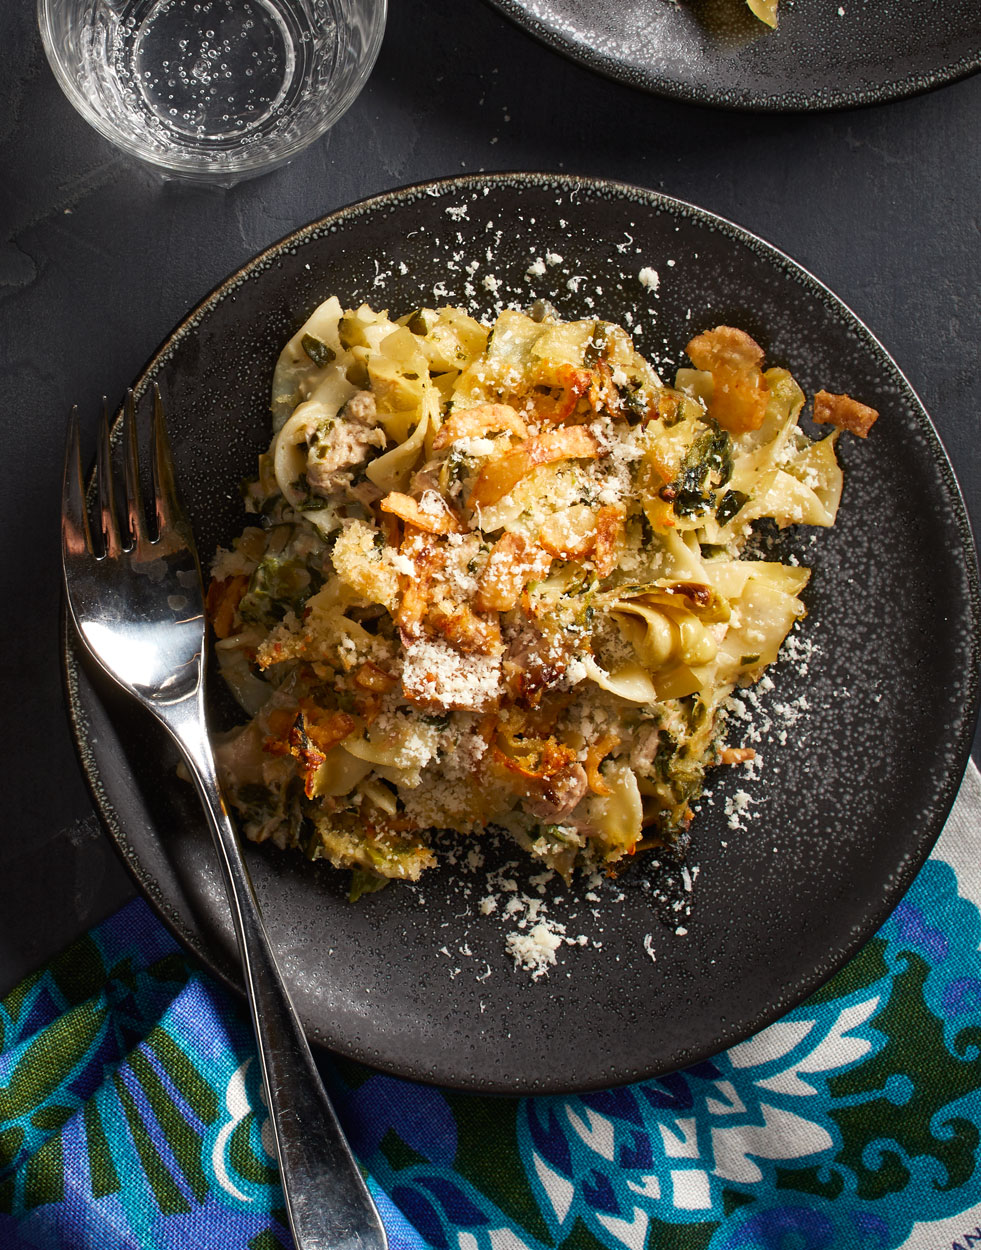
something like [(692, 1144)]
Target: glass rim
[(238, 166)]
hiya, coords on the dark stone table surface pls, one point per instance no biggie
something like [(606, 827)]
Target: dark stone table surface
[(99, 259)]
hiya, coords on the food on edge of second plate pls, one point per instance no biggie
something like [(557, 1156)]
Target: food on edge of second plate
[(502, 577), (765, 10)]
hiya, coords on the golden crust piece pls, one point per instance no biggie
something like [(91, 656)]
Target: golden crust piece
[(740, 391), (481, 419), (574, 384), (844, 413), (545, 772), (500, 476), (307, 733), (595, 756), (512, 563), (736, 755), (725, 345), (465, 629), (579, 532), (222, 602), (427, 559), (427, 609), (609, 533), (370, 677), (431, 513), (569, 533), (324, 728)]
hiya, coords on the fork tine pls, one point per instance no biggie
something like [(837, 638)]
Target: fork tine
[(169, 513), (107, 492), (131, 475), (76, 537)]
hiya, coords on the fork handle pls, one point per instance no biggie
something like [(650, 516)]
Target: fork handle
[(328, 1203)]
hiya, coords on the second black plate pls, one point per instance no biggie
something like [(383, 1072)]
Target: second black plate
[(825, 53)]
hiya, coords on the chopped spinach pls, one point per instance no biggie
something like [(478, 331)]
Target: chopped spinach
[(706, 467), (418, 323), (597, 347), (636, 400), (695, 711), (683, 775), (254, 794), (556, 833), (319, 352), (364, 882), (279, 583), (729, 505)]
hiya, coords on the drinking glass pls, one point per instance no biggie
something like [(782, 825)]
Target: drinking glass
[(213, 90)]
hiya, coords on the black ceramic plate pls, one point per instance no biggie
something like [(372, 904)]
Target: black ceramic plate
[(862, 754), (824, 54)]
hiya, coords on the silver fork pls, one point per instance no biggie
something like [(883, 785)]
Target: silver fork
[(137, 604)]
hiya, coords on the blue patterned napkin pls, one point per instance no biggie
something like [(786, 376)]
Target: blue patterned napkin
[(131, 1114)]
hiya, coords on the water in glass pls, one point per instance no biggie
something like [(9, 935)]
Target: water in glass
[(212, 86)]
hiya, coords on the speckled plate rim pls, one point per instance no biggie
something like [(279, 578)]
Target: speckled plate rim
[(781, 102), (959, 748)]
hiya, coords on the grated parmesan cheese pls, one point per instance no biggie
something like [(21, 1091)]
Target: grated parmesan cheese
[(438, 675), (535, 951)]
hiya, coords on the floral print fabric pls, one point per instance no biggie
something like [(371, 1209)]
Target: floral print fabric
[(131, 1114)]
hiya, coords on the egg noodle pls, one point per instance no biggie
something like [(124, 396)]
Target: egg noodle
[(501, 580)]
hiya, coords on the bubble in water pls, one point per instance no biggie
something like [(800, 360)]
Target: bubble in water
[(193, 75)]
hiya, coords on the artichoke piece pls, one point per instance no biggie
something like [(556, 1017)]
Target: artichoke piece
[(395, 390), (351, 332)]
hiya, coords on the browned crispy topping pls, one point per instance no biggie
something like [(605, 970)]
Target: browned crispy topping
[(736, 755), (499, 477), (844, 412), (596, 754), (513, 562), (431, 513), (740, 392), (222, 601), (481, 419)]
